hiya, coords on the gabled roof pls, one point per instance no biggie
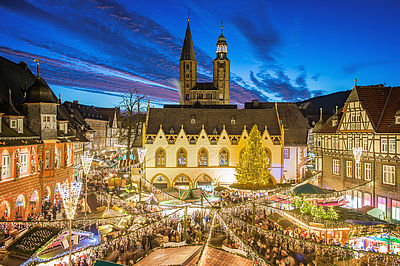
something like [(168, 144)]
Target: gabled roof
[(188, 48), (381, 104), (211, 119), (108, 113), (294, 123), (328, 127), (85, 111)]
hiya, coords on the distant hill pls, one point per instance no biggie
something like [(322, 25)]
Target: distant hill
[(310, 108)]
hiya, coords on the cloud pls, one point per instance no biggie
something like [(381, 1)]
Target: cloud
[(281, 85), (355, 67)]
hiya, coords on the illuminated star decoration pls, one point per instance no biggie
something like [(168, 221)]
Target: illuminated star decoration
[(70, 201), (86, 163)]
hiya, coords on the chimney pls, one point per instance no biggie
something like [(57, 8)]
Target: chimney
[(59, 98), (75, 102)]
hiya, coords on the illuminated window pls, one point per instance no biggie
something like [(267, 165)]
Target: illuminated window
[(203, 157), (349, 168), (47, 160), (160, 158), (395, 209), (23, 160), (367, 199), (392, 145), (350, 143), (357, 171), (182, 157), (223, 158), (336, 169), (389, 174), (365, 144), (384, 144), (6, 166), (382, 204), (367, 171)]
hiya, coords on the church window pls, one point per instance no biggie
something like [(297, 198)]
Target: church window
[(223, 158), (187, 66), (187, 96), (182, 157), (187, 85), (203, 157), (160, 158), (187, 76)]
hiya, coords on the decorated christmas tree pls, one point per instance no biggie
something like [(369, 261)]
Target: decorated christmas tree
[(253, 168)]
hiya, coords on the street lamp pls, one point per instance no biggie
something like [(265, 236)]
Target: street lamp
[(141, 153), (70, 195), (86, 164)]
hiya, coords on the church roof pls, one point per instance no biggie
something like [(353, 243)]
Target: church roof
[(212, 119), (188, 48)]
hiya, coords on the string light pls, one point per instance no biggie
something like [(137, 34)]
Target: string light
[(70, 195)]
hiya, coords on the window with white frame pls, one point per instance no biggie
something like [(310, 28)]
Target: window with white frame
[(352, 117), (395, 209), (6, 166), (358, 199), (20, 125), (349, 168), (350, 143), (389, 174), (392, 145), (365, 144), (48, 122), (384, 143), (319, 142), (349, 198), (23, 160), (358, 117), (367, 171), (335, 168), (357, 171), (357, 143), (397, 121), (69, 155), (286, 153), (367, 199), (13, 123)]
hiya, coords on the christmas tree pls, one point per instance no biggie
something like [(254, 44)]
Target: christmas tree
[(253, 168)]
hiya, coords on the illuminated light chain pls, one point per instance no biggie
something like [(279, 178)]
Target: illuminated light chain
[(157, 190), (356, 253), (70, 196), (238, 240), (204, 252), (86, 163)]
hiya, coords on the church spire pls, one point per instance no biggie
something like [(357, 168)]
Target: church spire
[(221, 44), (188, 48)]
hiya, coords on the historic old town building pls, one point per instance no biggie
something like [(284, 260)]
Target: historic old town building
[(36, 142), (296, 131), (198, 143), (370, 124)]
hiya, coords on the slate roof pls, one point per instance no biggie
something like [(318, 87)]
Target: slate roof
[(40, 92), (204, 86), (16, 77), (328, 127), (294, 123), (85, 111), (211, 119), (108, 113), (188, 48)]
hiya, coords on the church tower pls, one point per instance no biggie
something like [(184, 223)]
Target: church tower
[(188, 67), (221, 70)]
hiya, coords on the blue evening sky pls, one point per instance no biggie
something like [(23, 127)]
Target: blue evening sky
[(285, 50)]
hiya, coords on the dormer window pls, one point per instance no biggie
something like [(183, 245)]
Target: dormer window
[(215, 132), (63, 126), (48, 122), (13, 123), (397, 120), (233, 120), (171, 131), (193, 120), (334, 122), (20, 125)]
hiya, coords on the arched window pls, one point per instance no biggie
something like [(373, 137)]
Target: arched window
[(223, 158), (160, 158), (181, 157), (268, 155), (203, 157)]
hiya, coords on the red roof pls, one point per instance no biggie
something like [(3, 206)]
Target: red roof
[(381, 104)]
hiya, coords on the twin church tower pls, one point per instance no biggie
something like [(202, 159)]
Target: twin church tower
[(205, 93)]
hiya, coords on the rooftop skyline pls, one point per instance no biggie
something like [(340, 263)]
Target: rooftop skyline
[(279, 50)]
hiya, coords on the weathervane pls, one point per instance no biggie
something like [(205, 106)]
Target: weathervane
[(37, 66)]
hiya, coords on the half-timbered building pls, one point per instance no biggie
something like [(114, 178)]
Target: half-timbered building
[(368, 124)]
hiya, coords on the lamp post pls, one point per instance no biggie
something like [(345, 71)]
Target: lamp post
[(70, 194), (86, 164), (141, 153)]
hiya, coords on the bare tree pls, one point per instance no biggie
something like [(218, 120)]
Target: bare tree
[(131, 123)]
